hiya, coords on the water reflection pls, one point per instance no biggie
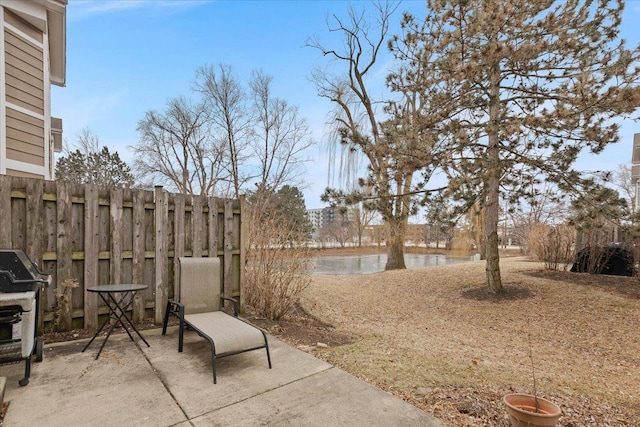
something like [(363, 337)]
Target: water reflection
[(363, 264)]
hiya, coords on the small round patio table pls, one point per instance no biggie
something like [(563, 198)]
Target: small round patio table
[(118, 299)]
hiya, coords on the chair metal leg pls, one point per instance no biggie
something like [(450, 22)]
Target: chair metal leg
[(166, 318), (181, 329), (213, 357), (213, 364), (266, 345), (268, 356)]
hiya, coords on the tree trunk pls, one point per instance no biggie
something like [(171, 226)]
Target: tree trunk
[(395, 245), (492, 269), (494, 282)]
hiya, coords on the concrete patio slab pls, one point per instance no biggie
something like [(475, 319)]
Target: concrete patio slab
[(328, 398), (157, 386), (70, 388), (239, 377)]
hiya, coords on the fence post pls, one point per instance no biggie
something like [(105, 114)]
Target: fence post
[(242, 231), (228, 247), (64, 250), (35, 230), (161, 285), (196, 220), (137, 273), (91, 236)]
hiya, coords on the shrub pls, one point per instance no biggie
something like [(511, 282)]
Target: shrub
[(276, 270), (552, 245)]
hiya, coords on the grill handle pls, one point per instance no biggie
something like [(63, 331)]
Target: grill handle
[(44, 279)]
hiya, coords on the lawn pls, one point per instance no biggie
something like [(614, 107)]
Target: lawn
[(434, 337)]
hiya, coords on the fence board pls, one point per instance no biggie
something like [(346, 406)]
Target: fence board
[(5, 208), (161, 285), (212, 250), (137, 270), (50, 242), (35, 221), (19, 214), (35, 226), (228, 248), (196, 217), (115, 224), (242, 231), (64, 249), (91, 239), (178, 236)]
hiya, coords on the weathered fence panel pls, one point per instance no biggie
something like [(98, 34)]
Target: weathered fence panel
[(97, 235)]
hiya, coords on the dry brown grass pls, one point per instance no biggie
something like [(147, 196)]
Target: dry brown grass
[(434, 337)]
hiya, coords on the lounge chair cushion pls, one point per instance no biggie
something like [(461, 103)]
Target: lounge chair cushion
[(229, 334)]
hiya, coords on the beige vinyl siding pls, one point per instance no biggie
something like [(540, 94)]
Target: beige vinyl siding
[(22, 25), (24, 87), (25, 137), (14, 172), (24, 76)]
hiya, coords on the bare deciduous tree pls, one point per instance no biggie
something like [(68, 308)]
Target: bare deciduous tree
[(176, 148), (227, 108), (363, 217), (386, 140), (280, 136), (623, 180)]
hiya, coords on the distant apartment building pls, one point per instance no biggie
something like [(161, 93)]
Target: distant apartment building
[(32, 58), (315, 216), (329, 222), (325, 216)]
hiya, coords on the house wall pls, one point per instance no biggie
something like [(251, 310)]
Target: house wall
[(25, 142)]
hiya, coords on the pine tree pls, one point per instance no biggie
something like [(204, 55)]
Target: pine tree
[(100, 167), (529, 85)]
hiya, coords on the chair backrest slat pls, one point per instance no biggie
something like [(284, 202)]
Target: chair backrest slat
[(200, 284)]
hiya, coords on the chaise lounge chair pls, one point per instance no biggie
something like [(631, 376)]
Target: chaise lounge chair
[(199, 305)]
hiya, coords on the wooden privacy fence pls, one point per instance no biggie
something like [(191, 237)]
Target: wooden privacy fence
[(98, 235)]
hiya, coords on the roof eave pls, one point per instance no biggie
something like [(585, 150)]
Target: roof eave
[(57, 27)]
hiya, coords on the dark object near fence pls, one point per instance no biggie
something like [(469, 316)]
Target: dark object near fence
[(611, 259), (20, 282)]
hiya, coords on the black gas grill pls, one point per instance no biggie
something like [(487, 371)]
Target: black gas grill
[(20, 282)]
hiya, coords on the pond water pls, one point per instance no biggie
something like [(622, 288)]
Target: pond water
[(363, 264)]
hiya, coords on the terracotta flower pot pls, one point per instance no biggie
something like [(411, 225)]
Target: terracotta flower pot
[(522, 411)]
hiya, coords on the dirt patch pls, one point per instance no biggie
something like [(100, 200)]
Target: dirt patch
[(302, 330), (513, 292)]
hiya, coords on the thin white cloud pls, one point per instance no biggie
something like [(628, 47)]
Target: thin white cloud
[(82, 9)]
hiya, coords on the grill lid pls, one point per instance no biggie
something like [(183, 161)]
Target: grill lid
[(18, 273)]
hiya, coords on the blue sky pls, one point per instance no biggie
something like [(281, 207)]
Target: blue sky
[(126, 57)]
